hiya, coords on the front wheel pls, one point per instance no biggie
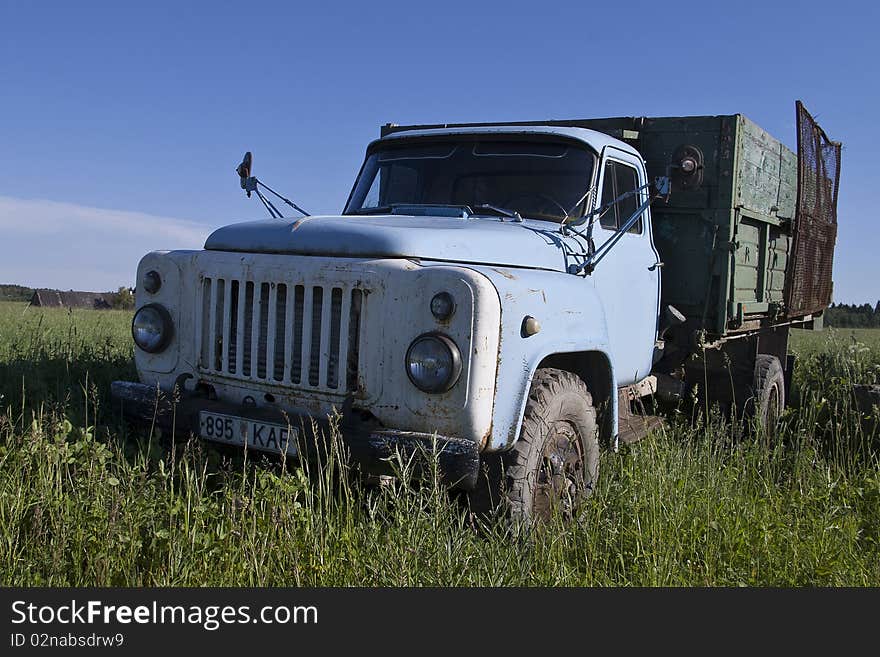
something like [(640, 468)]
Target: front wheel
[(554, 465)]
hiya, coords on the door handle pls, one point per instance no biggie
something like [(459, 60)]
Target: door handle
[(656, 265)]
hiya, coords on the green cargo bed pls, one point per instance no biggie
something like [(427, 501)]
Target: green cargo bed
[(725, 241)]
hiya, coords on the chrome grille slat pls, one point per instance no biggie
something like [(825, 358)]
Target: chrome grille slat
[(298, 334)]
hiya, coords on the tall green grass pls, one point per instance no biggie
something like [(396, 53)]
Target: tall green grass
[(85, 500)]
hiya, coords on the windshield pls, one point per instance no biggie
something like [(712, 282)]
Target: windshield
[(539, 179)]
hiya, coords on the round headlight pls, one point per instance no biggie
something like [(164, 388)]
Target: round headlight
[(433, 363), (151, 328), (152, 281), (442, 305)]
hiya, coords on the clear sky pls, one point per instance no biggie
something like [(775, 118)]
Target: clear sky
[(121, 123)]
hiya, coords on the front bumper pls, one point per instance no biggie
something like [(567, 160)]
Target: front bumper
[(374, 449)]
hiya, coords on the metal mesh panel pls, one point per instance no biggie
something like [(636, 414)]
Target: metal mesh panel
[(808, 281)]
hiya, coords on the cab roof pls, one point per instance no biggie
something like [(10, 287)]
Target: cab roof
[(596, 140)]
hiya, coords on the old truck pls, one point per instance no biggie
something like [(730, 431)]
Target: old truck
[(502, 294)]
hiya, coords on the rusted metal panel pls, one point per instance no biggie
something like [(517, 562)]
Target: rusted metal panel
[(809, 284)]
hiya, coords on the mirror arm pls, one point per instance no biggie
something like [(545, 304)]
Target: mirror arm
[(250, 183), (661, 187), (273, 211), (288, 201)]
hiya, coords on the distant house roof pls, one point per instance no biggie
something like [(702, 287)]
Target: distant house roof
[(73, 299)]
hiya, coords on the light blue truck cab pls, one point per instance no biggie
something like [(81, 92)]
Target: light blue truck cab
[(490, 292)]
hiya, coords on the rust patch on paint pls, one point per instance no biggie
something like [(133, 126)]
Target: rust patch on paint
[(504, 273)]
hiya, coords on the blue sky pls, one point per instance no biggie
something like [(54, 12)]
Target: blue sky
[(121, 123)]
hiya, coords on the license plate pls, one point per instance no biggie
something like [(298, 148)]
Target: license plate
[(241, 431)]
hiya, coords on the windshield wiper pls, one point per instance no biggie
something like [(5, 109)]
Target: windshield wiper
[(485, 208), (416, 209), (379, 209)]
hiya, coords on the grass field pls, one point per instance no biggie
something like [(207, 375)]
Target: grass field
[(86, 501), (809, 342)]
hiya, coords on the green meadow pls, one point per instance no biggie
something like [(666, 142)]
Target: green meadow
[(86, 500)]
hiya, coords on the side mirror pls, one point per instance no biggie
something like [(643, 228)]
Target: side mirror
[(244, 172), (249, 184)]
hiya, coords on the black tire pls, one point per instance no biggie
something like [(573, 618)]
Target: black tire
[(768, 393), (555, 462)]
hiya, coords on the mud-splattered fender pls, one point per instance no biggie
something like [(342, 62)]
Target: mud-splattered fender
[(572, 319)]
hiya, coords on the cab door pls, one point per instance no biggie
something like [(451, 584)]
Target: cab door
[(628, 277)]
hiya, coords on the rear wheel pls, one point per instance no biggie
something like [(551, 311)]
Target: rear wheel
[(768, 392), (555, 463)]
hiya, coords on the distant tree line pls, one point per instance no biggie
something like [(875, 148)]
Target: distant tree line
[(15, 293), (123, 298), (840, 315), (851, 315)]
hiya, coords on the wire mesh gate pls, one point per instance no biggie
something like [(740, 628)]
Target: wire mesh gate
[(808, 280)]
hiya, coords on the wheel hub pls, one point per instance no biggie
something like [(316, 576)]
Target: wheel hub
[(560, 481)]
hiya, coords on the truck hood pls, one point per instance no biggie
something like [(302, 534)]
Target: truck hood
[(482, 240)]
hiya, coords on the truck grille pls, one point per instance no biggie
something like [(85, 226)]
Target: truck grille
[(283, 333)]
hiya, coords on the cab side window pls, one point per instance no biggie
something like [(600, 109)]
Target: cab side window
[(609, 217), (619, 179)]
